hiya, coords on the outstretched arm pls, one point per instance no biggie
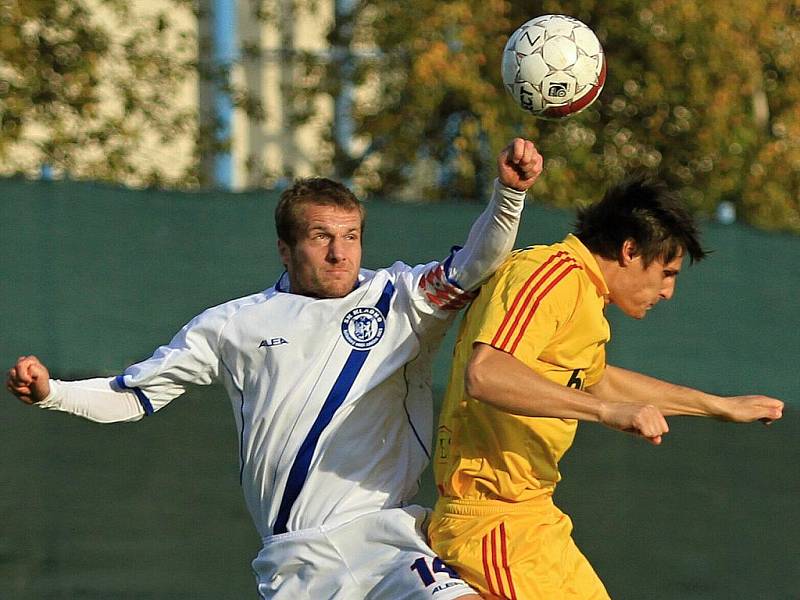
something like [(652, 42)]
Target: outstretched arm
[(493, 234), (628, 386), (499, 379), (94, 399), (190, 357)]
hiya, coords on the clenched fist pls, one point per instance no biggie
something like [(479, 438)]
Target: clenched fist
[(29, 380)]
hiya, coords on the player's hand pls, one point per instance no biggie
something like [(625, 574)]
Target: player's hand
[(746, 409), (519, 164), (29, 380), (643, 420)]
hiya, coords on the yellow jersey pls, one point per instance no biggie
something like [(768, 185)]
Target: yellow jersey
[(545, 306)]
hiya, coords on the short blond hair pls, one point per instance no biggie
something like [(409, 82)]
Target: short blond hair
[(311, 190)]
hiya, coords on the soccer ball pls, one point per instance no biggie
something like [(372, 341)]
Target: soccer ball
[(553, 66)]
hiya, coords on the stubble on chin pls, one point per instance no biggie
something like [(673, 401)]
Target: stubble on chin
[(336, 287)]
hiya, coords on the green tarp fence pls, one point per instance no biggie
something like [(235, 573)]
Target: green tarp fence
[(94, 277)]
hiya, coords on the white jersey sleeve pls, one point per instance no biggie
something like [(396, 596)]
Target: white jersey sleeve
[(99, 400), (449, 285), (192, 357), (490, 239)]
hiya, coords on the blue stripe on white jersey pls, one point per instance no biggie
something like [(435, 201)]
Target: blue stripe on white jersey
[(335, 398), (143, 400)]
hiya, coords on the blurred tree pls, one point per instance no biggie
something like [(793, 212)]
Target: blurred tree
[(432, 109), (711, 91), (84, 102), (704, 93)]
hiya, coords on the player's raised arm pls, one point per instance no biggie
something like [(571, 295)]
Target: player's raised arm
[(29, 380), (629, 386), (494, 232)]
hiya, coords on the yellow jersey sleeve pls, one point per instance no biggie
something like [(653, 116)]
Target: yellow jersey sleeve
[(528, 304)]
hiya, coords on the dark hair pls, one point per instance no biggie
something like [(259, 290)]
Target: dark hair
[(645, 210), (311, 190)]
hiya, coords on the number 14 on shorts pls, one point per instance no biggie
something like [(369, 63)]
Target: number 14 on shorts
[(427, 569)]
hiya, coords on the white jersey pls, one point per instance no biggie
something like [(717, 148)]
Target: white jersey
[(332, 401), (332, 397)]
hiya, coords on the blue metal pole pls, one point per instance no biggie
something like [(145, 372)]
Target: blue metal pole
[(225, 54), (343, 128)]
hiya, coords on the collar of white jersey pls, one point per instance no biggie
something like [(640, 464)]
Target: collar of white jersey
[(283, 285)]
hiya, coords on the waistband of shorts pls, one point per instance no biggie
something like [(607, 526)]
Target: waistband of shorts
[(321, 530), (300, 533), (475, 508)]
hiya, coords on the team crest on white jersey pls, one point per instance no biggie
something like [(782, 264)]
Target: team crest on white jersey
[(363, 327)]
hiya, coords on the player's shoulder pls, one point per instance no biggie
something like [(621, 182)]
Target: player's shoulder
[(217, 316), (402, 274), (396, 269), (539, 270), (237, 304), (429, 287), (543, 259)]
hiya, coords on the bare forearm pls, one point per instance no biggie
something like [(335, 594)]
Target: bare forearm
[(622, 385)]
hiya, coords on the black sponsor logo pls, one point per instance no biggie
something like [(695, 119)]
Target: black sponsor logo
[(557, 89)]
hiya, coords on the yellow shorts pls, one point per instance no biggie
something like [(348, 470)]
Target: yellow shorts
[(514, 551)]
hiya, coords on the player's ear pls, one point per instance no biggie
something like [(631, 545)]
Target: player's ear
[(284, 252), (628, 252)]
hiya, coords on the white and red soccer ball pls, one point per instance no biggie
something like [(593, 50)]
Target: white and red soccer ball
[(554, 66)]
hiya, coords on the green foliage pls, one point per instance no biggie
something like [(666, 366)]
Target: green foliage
[(86, 88), (706, 94)]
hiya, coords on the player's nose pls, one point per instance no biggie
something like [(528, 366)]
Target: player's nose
[(668, 290), (335, 250)]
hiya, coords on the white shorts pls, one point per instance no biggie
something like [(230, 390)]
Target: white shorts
[(377, 556)]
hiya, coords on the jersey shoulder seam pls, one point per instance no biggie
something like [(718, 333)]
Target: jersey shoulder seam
[(243, 303)]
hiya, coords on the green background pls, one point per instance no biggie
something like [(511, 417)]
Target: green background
[(93, 278)]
